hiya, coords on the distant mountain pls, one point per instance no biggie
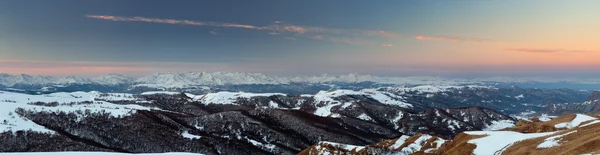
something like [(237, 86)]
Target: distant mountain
[(200, 80)]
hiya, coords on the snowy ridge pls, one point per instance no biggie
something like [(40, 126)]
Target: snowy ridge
[(329, 98), (553, 141), (65, 102), (381, 96), (228, 97), (11, 80)]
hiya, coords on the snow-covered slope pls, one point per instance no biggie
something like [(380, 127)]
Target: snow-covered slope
[(497, 141), (77, 102), (404, 145), (579, 118), (380, 96)]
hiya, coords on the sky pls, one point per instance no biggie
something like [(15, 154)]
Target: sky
[(391, 38)]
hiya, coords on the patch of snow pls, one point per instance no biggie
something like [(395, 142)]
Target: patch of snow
[(325, 111), (273, 104), (497, 125), (591, 123), (345, 147), (579, 118), (497, 141), (190, 95), (438, 144), (546, 117), (399, 142), (520, 97), (269, 147), (186, 134), (160, 93), (364, 117), (416, 145), (398, 118), (346, 105), (553, 141)]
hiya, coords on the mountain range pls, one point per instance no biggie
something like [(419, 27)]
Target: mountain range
[(207, 79)]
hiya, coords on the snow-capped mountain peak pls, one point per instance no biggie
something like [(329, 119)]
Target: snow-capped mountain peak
[(113, 79)]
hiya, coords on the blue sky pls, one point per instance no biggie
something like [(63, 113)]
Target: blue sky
[(442, 38)]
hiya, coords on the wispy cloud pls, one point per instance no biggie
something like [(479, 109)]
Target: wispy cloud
[(275, 28), (171, 21), (453, 39), (547, 51)]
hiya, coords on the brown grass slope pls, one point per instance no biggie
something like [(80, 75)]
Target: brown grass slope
[(585, 140)]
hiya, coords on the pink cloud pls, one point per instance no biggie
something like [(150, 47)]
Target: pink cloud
[(453, 39)]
